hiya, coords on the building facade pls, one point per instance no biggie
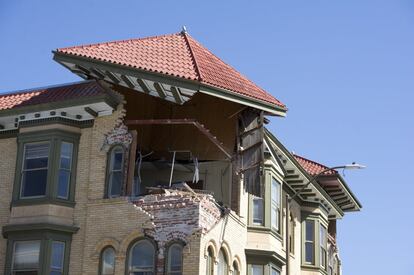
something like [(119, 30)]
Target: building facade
[(159, 162)]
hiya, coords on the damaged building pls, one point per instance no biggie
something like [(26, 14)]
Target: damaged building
[(159, 162)]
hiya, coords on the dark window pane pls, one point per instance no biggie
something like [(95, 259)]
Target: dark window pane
[(116, 183), (34, 183), (175, 258), (258, 210), (56, 273), (142, 258), (310, 235), (63, 184), (58, 252), (309, 252), (117, 160), (36, 163)]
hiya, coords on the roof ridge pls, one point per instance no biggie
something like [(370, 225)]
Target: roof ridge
[(35, 89), (198, 71), (117, 41)]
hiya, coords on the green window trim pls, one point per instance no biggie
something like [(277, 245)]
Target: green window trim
[(270, 175), (318, 223), (55, 138), (47, 237)]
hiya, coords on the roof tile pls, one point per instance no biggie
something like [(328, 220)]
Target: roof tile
[(177, 55), (312, 167), (50, 94)]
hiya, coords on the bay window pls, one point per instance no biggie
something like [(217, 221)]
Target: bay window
[(45, 167), (37, 251)]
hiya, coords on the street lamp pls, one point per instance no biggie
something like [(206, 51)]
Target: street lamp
[(289, 199)]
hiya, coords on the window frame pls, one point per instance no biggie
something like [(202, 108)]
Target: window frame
[(266, 268), (319, 221), (55, 138), (101, 258), (226, 265), (275, 202), (109, 169), (130, 248), (270, 173), (46, 238), (323, 246), (168, 260)]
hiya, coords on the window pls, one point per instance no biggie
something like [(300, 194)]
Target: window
[(115, 172), (274, 271), (223, 265), (236, 270), (257, 269), (257, 211), (292, 235), (322, 244), (210, 261), (175, 259), (309, 241), (25, 259), (37, 251), (46, 165), (107, 265), (142, 258), (35, 170), (275, 204), (65, 168), (57, 258)]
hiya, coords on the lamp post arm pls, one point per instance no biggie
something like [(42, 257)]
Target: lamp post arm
[(314, 178)]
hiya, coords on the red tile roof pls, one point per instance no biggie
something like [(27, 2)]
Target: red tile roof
[(177, 55), (50, 94), (312, 167)]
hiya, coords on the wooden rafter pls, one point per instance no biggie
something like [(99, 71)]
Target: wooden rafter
[(184, 121)]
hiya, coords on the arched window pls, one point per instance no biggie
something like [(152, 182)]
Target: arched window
[(236, 269), (107, 265), (175, 259), (223, 264), (115, 171), (210, 261), (142, 258)]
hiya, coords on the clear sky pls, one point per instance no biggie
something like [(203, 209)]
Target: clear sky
[(345, 69)]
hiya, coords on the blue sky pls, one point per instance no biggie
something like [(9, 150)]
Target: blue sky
[(344, 68)]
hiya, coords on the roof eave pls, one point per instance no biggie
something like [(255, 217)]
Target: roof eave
[(306, 174), (347, 190), (271, 109)]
